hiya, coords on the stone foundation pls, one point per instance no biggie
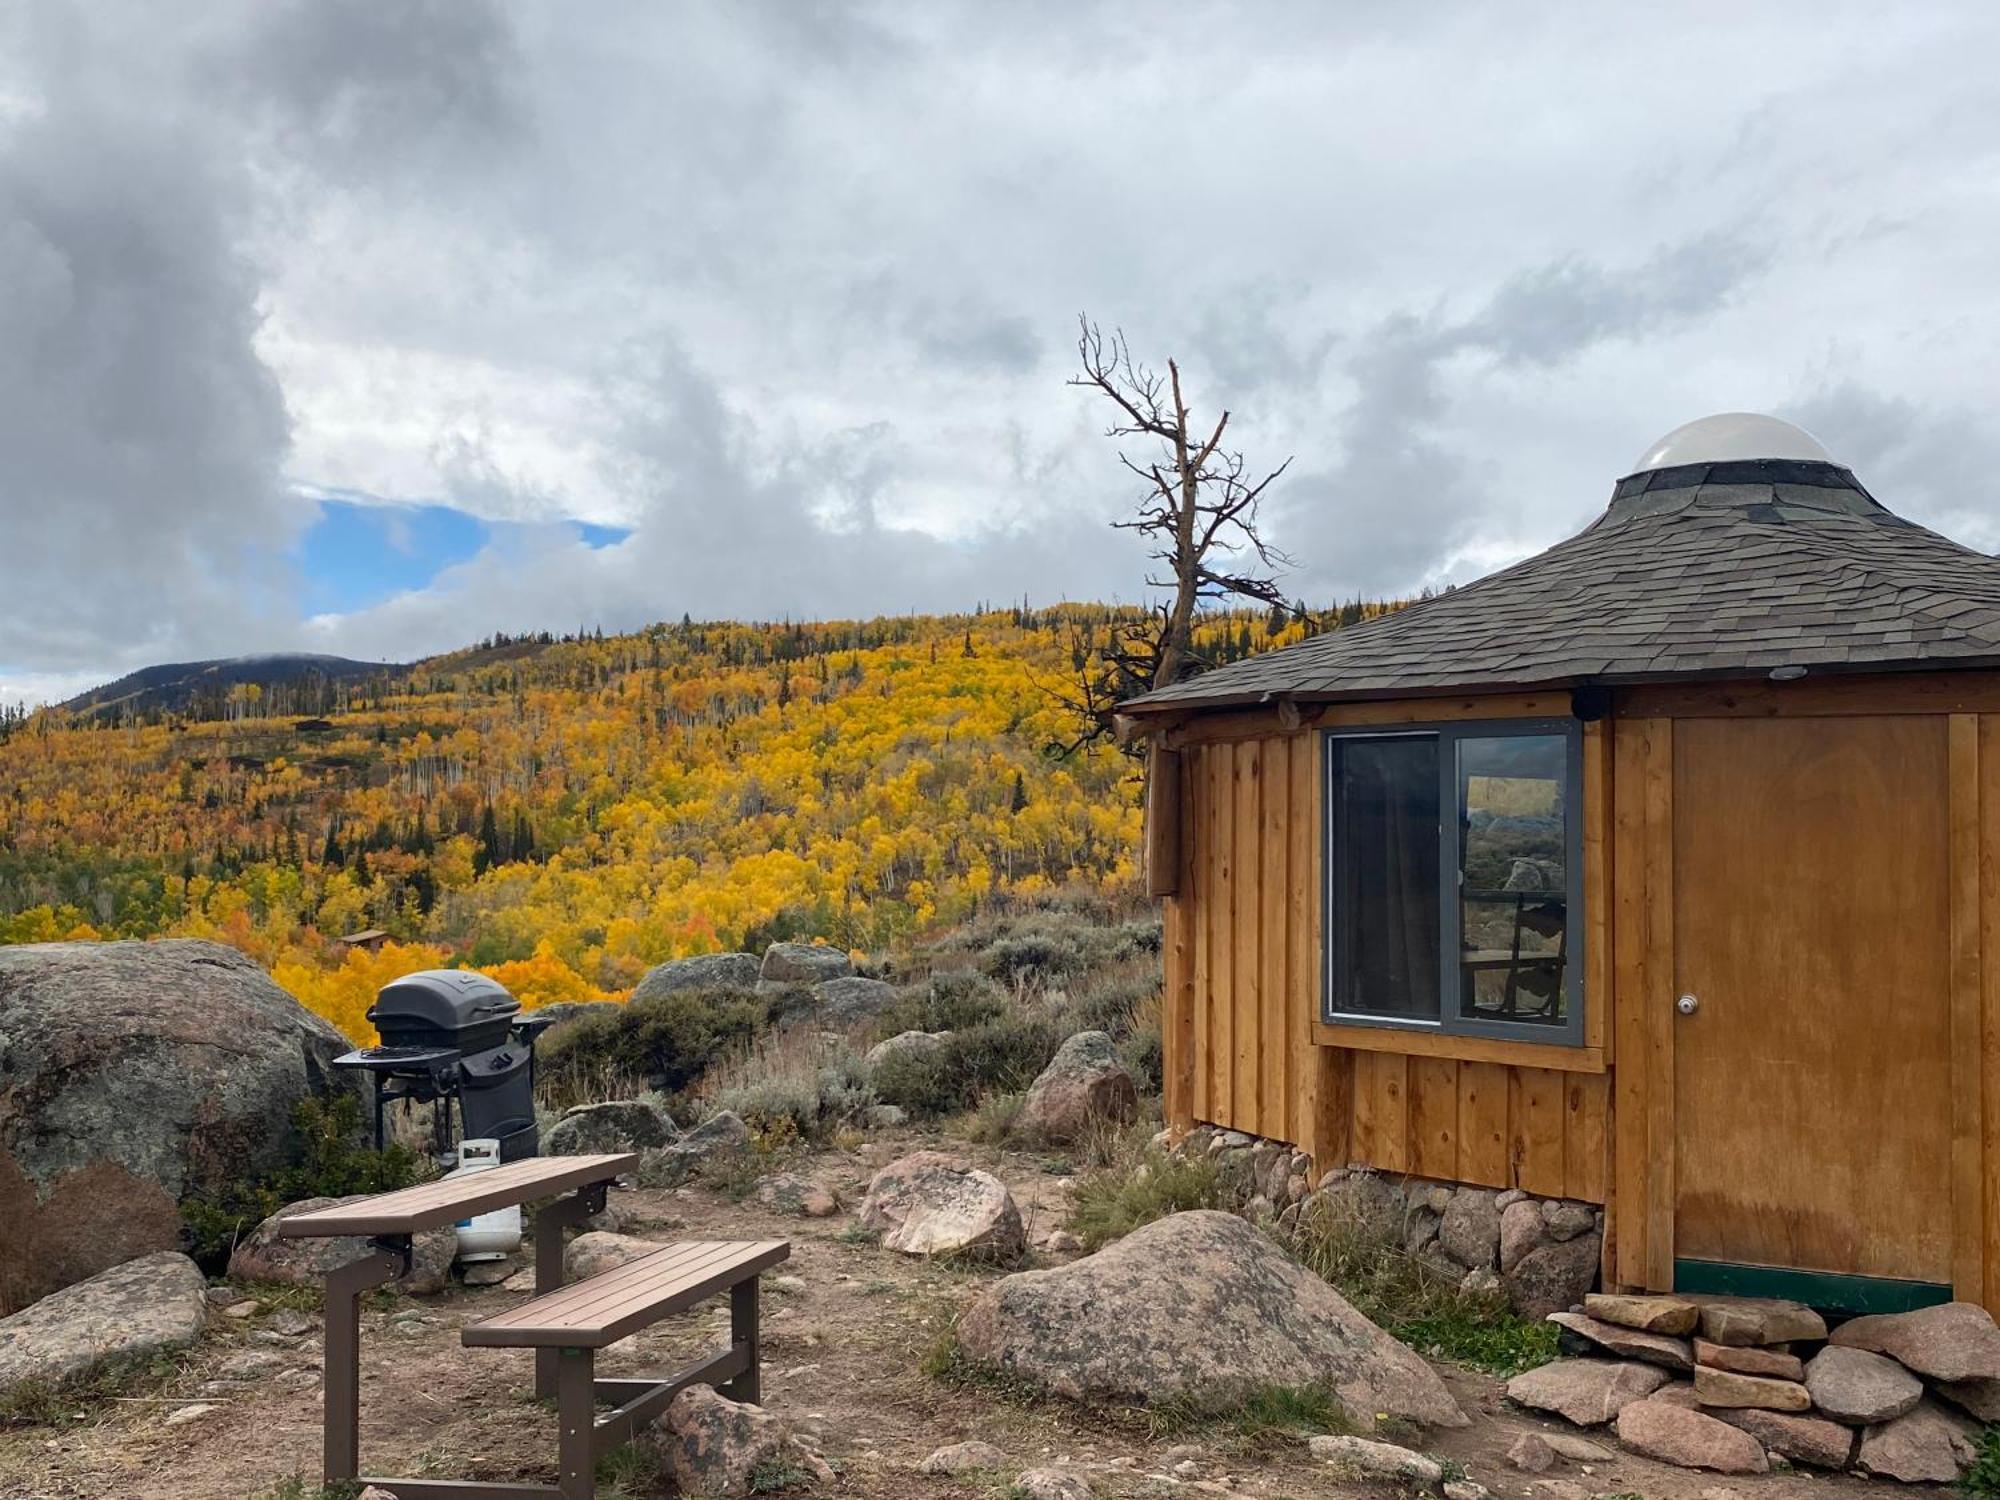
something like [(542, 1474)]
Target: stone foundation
[(1542, 1253)]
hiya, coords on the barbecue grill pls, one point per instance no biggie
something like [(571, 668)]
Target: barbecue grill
[(454, 1036)]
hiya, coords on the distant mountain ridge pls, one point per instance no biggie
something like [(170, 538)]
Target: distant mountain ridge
[(176, 687)]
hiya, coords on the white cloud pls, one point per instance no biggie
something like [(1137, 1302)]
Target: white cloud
[(789, 290)]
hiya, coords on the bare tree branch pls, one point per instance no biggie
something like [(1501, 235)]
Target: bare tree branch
[(1199, 510)]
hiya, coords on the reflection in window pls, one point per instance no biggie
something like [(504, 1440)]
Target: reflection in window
[(1513, 878), (1386, 901)]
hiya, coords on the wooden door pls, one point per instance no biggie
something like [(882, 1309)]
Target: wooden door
[(1811, 924)]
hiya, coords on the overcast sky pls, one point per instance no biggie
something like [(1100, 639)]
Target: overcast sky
[(371, 328)]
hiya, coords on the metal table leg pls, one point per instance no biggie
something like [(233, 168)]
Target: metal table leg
[(576, 1423), (344, 1286), (743, 1336), (551, 1220)]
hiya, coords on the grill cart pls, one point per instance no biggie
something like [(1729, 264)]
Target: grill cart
[(454, 1036)]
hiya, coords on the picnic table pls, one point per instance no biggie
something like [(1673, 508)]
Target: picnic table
[(564, 1325)]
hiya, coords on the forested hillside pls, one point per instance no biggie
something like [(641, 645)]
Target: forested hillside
[(567, 812)]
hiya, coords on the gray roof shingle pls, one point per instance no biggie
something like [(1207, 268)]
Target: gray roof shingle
[(1700, 570)]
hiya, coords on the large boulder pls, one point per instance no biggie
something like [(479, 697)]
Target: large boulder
[(613, 1126), (850, 999), (907, 1044), (1952, 1341), (803, 963), (705, 971), (133, 1075), (143, 1307), (930, 1203), (263, 1256), (1084, 1085), (1585, 1391), (722, 1134), (560, 1013), (1198, 1307)]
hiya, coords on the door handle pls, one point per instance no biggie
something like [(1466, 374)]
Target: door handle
[(1687, 1005)]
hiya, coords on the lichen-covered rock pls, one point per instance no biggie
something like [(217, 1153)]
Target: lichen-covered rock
[(787, 1193), (1049, 1484), (715, 1446), (1859, 1387), (1744, 1321), (1691, 1439), (803, 963), (145, 1306), (1626, 1343), (1197, 1306), (1469, 1230), (930, 1203), (1713, 1387), (963, 1458), (851, 1000), (1979, 1397), (1585, 1391), (1562, 1220), (1364, 1458), (612, 1126), (907, 1044), (704, 971), (1556, 1276), (722, 1134), (1800, 1437), (1531, 1453), (263, 1256), (1084, 1085), (1647, 1313), (1521, 1233), (601, 1250), (1929, 1444), (1747, 1360), (1952, 1341), (134, 1075)]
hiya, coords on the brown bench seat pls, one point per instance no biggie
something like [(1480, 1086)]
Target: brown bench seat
[(614, 1304)]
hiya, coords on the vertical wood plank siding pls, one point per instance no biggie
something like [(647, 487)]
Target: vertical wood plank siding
[(1247, 995)]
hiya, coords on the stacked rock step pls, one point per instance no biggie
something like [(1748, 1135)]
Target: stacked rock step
[(1894, 1396)]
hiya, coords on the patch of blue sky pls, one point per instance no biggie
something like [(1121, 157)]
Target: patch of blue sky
[(360, 550)]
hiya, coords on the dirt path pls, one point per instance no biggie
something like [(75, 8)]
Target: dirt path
[(846, 1328)]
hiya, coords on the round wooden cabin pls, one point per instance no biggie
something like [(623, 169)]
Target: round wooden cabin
[(1659, 871)]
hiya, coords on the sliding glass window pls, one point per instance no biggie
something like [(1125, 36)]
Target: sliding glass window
[(1454, 882)]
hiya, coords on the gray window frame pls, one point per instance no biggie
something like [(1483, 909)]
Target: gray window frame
[(1447, 1021)]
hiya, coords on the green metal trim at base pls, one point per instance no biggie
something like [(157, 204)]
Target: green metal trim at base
[(1822, 1289)]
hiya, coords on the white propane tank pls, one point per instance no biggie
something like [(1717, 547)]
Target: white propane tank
[(488, 1236)]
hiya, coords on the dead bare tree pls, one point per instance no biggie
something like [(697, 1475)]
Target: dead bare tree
[(1198, 509)]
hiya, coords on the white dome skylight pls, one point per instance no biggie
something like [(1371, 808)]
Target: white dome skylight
[(1729, 436)]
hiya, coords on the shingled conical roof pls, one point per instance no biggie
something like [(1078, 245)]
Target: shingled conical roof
[(1725, 568)]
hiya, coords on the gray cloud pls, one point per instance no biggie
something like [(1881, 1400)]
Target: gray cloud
[(789, 290)]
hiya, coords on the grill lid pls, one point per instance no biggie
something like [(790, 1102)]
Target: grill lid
[(445, 999)]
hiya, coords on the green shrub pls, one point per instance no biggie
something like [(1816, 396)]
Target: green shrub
[(795, 1079), (669, 1040), (1982, 1480), (997, 1056), (1112, 1201), (951, 1001), (1043, 954), (332, 1162), (1420, 1303)]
